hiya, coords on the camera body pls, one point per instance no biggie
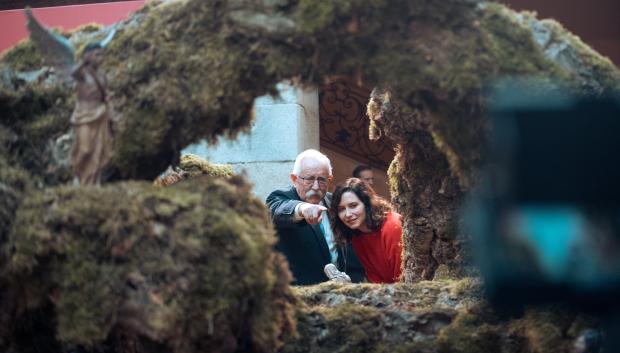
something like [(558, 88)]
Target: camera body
[(546, 219)]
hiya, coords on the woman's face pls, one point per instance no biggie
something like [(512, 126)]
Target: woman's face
[(351, 211)]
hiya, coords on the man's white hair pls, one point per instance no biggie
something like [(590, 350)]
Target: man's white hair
[(311, 154)]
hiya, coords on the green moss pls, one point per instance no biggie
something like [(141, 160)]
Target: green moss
[(24, 56), (130, 155), (15, 183), (313, 295), (45, 126), (89, 294), (36, 114), (346, 328), (357, 328), (416, 318), (183, 71), (181, 81), (469, 286), (423, 295), (315, 17), (195, 165), (512, 45), (467, 334), (87, 28), (499, 47), (35, 110), (150, 260), (594, 73)]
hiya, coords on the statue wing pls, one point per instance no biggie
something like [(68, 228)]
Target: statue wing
[(57, 51), (104, 43)]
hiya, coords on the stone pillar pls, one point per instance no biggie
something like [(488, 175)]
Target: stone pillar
[(282, 128)]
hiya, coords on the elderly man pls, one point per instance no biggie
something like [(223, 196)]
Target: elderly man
[(300, 216)]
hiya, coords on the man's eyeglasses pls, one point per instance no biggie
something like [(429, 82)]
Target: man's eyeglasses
[(310, 180)]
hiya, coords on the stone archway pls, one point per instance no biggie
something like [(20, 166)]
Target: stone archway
[(176, 84), (344, 127)]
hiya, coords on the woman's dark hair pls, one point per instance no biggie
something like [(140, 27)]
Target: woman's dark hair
[(376, 209)]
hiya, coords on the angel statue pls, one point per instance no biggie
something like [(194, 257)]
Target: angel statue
[(92, 117)]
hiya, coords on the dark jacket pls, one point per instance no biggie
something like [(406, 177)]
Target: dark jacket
[(304, 245)]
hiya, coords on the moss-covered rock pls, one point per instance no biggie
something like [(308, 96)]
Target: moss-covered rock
[(194, 165), (184, 74), (594, 74), (15, 183), (437, 118), (34, 112), (181, 71), (424, 189), (428, 316), (24, 56), (187, 268)]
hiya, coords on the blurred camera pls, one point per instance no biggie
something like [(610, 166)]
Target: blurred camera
[(545, 221)]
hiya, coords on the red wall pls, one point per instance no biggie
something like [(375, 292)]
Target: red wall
[(13, 22)]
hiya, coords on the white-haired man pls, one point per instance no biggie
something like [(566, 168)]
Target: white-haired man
[(299, 215)]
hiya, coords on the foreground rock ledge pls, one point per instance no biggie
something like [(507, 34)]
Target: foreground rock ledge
[(429, 316), (129, 267)]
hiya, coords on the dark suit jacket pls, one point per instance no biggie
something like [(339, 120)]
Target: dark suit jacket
[(304, 244)]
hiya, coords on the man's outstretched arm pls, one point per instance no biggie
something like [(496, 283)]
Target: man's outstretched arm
[(286, 211)]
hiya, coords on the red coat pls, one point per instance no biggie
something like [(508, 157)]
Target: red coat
[(380, 252)]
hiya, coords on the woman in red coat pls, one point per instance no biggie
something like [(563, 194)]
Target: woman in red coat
[(361, 217)]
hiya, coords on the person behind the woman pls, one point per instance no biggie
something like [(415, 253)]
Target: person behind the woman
[(361, 217)]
